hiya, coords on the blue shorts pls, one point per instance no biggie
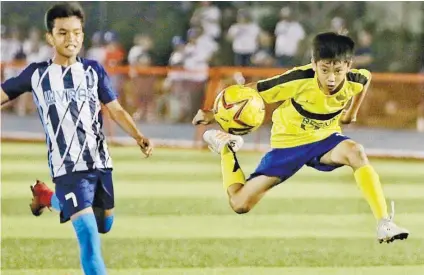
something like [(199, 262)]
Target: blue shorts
[(285, 162), (79, 190)]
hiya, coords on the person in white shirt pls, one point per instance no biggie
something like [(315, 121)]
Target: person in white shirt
[(244, 34), (209, 17), (289, 33), (35, 49)]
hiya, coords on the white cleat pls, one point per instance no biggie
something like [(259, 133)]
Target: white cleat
[(388, 231), (216, 141)]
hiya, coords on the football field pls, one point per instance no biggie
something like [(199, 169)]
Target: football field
[(172, 217)]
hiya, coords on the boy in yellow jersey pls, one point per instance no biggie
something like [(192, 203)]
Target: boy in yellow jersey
[(306, 131)]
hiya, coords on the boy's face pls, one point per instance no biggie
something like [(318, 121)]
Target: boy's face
[(67, 36), (331, 73)]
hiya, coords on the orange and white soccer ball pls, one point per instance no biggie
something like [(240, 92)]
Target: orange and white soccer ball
[(239, 110)]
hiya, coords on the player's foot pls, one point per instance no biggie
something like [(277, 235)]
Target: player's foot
[(216, 140), (41, 197), (388, 231)]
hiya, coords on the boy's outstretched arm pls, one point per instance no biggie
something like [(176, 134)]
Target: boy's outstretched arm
[(350, 115), (125, 121)]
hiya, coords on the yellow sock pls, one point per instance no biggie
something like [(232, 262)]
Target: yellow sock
[(369, 183), (231, 170)]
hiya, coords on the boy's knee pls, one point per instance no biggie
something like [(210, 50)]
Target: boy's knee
[(241, 206), (355, 154), (107, 225), (104, 223)]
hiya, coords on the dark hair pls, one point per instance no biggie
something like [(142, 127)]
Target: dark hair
[(333, 46), (62, 11)]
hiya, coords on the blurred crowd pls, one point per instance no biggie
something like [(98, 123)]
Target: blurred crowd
[(177, 96)]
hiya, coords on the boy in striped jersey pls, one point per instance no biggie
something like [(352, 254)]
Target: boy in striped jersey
[(68, 92), (314, 99)]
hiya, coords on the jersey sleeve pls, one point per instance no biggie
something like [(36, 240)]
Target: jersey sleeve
[(20, 84), (359, 78), (285, 86), (105, 89)]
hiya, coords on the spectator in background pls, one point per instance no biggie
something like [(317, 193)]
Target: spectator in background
[(35, 49), (168, 100), (187, 95), (338, 25), (11, 45), (177, 56), (12, 52), (173, 85), (115, 53), (114, 56), (142, 45), (289, 33), (143, 90), (209, 18), (97, 51), (205, 44), (264, 57), (244, 35), (142, 99), (363, 57)]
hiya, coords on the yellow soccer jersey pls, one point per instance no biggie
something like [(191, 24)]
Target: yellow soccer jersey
[(307, 114)]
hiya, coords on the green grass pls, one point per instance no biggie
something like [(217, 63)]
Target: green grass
[(172, 217)]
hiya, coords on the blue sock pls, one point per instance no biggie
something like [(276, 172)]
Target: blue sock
[(89, 241), (55, 203), (108, 222)]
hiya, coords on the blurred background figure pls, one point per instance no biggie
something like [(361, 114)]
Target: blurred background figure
[(196, 62), (12, 52), (338, 25), (209, 17), (34, 47), (114, 56), (205, 45), (97, 50), (141, 93), (264, 56), (244, 35), (289, 34), (11, 44), (142, 45), (173, 85), (115, 53), (364, 56)]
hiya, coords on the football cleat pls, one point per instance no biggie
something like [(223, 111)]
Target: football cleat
[(388, 231), (216, 141), (41, 196)]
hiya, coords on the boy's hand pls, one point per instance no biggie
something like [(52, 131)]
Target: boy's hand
[(203, 117), (348, 117), (145, 146)]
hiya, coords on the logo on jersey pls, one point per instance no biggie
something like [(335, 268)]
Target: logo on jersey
[(68, 95), (308, 123)]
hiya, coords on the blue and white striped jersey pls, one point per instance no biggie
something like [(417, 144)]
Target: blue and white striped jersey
[(68, 102)]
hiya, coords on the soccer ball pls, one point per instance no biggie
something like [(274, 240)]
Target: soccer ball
[(239, 110)]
